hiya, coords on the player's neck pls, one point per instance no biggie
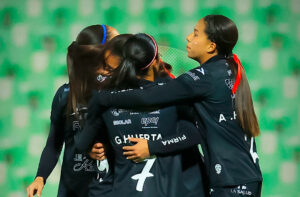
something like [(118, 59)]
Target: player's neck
[(149, 76), (206, 57)]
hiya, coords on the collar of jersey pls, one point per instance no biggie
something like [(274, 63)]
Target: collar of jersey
[(213, 59)]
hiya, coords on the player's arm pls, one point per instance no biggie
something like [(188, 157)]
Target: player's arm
[(182, 89), (187, 136), (53, 147), (85, 139)]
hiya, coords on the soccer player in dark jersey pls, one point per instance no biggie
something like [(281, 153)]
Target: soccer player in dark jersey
[(223, 103), (156, 176), (67, 115), (110, 58)]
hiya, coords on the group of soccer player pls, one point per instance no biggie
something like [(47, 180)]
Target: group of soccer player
[(130, 128)]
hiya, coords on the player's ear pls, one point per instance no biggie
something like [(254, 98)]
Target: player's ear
[(212, 47)]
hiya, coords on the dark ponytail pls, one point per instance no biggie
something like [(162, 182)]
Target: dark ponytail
[(138, 53), (125, 75), (223, 31)]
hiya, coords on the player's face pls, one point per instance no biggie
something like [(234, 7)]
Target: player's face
[(197, 42), (111, 63), (113, 32)]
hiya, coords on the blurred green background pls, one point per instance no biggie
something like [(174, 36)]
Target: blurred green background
[(34, 35)]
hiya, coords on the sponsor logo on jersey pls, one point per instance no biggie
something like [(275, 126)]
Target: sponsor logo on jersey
[(193, 75), (125, 138), (113, 92), (122, 122), (241, 191), (82, 163), (149, 122), (134, 113), (155, 112)]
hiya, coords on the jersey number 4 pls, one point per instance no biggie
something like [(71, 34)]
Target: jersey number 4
[(141, 177)]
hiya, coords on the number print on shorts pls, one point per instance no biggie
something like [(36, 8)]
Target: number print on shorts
[(144, 174)]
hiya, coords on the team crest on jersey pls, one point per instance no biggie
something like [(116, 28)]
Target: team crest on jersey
[(218, 168), (117, 112)]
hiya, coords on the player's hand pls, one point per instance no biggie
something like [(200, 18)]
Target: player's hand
[(36, 187), (137, 152), (98, 152)]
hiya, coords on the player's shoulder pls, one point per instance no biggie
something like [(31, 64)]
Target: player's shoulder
[(61, 94), (63, 89), (196, 74)]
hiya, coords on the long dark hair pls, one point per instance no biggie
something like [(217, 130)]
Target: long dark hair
[(83, 60), (138, 53), (223, 31)]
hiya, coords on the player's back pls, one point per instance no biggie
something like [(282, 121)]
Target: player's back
[(156, 176)]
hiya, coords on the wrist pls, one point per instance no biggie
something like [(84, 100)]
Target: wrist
[(39, 178)]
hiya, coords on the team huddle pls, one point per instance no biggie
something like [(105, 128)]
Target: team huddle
[(130, 128)]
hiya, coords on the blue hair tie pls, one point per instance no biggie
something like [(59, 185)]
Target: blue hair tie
[(104, 34)]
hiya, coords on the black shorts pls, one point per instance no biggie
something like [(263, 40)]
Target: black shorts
[(101, 189), (245, 190), (65, 191)]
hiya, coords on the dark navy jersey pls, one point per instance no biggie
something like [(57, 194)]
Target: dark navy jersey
[(230, 156), (78, 169), (161, 175)]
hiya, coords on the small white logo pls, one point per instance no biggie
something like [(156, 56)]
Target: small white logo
[(193, 75), (122, 122), (201, 70), (155, 112), (218, 168), (78, 157), (148, 121), (117, 112), (229, 72)]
